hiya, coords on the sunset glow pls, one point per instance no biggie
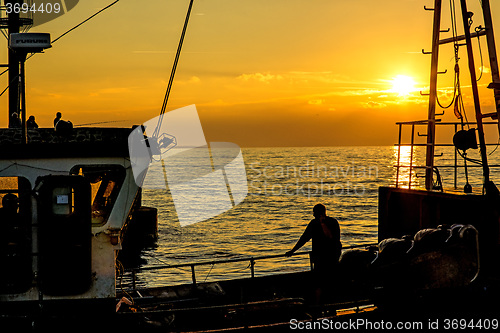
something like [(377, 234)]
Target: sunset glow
[(403, 85), (261, 73)]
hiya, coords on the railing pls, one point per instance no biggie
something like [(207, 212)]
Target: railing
[(435, 168), (251, 266)]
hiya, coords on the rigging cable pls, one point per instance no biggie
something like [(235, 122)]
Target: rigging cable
[(100, 122), (481, 69), (459, 108), (455, 44), (174, 68), (85, 21), (15, 78)]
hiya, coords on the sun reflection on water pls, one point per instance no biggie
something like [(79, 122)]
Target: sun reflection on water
[(409, 160)]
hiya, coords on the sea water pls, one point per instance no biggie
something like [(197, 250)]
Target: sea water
[(283, 186)]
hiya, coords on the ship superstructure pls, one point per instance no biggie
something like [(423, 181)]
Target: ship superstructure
[(66, 195)]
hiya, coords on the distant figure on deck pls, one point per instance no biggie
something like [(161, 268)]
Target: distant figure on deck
[(326, 246), (31, 123), (15, 122), (62, 127), (57, 118)]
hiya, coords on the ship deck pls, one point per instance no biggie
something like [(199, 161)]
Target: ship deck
[(80, 142)]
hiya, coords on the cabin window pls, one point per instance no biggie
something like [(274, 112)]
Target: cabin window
[(106, 182), (15, 235)]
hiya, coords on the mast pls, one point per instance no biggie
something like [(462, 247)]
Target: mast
[(488, 31), (475, 92), (431, 118), (13, 25), (490, 40)]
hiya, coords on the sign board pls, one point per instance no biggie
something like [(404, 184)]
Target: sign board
[(29, 42)]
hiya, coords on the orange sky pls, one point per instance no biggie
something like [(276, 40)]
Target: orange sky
[(261, 72)]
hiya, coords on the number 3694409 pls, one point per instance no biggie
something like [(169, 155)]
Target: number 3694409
[(25, 8)]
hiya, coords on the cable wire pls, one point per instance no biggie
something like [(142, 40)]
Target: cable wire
[(481, 69), (174, 68), (85, 21)]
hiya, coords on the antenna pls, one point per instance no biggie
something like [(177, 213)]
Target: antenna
[(20, 44)]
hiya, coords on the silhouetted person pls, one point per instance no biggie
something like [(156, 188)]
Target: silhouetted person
[(11, 231), (10, 205), (326, 247), (15, 247), (57, 118), (62, 127), (15, 122), (31, 123)]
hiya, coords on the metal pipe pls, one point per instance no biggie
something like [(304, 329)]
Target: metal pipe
[(449, 166), (273, 256), (193, 274), (475, 92), (14, 27), (490, 40), (462, 37), (24, 137), (252, 267), (411, 154), (455, 177), (431, 125), (134, 278), (399, 155)]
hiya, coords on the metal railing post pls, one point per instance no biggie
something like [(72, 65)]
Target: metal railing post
[(252, 267), (399, 155), (193, 274), (134, 277), (411, 154), (455, 175)]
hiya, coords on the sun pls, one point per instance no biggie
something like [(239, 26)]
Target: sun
[(403, 85)]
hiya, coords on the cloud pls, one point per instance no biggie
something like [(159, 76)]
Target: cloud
[(260, 77), (350, 91), (112, 91), (374, 105), (191, 80), (484, 69), (316, 101), (54, 95)]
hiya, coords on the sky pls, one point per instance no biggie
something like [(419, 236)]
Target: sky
[(260, 72)]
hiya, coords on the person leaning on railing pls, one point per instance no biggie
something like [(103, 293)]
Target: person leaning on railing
[(326, 247)]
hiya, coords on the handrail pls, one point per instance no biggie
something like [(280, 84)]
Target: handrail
[(251, 259), (435, 145), (448, 166), (424, 122), (410, 165)]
